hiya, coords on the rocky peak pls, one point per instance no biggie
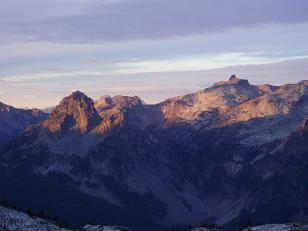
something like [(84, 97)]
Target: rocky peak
[(114, 111), (75, 113), (37, 112), (103, 102), (126, 101), (303, 82), (233, 80), (119, 101), (4, 107), (17, 115), (233, 77), (207, 104)]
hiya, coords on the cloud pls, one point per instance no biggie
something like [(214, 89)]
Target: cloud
[(95, 21), (201, 62), (152, 87), (48, 75), (171, 64)]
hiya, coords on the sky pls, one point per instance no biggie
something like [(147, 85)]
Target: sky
[(151, 48)]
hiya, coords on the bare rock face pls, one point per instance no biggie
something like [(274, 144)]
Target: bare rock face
[(203, 106), (119, 101), (233, 80), (113, 111), (75, 114), (126, 101), (104, 102)]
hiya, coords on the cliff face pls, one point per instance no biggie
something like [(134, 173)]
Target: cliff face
[(75, 113), (114, 111)]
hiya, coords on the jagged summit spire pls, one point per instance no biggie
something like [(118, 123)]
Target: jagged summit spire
[(233, 80), (75, 113), (232, 77), (78, 95)]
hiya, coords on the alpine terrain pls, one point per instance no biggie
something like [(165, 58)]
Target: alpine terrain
[(228, 154)]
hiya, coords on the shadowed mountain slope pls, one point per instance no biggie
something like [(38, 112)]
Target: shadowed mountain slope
[(13, 120)]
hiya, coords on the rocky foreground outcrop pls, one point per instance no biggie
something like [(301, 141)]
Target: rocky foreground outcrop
[(11, 219)]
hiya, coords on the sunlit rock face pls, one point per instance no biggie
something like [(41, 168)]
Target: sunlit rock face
[(114, 111), (75, 113)]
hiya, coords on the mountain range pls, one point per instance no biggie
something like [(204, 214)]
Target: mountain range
[(227, 154)]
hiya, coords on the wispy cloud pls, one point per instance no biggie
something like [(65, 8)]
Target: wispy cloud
[(49, 75), (204, 62), (152, 87), (172, 64)]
